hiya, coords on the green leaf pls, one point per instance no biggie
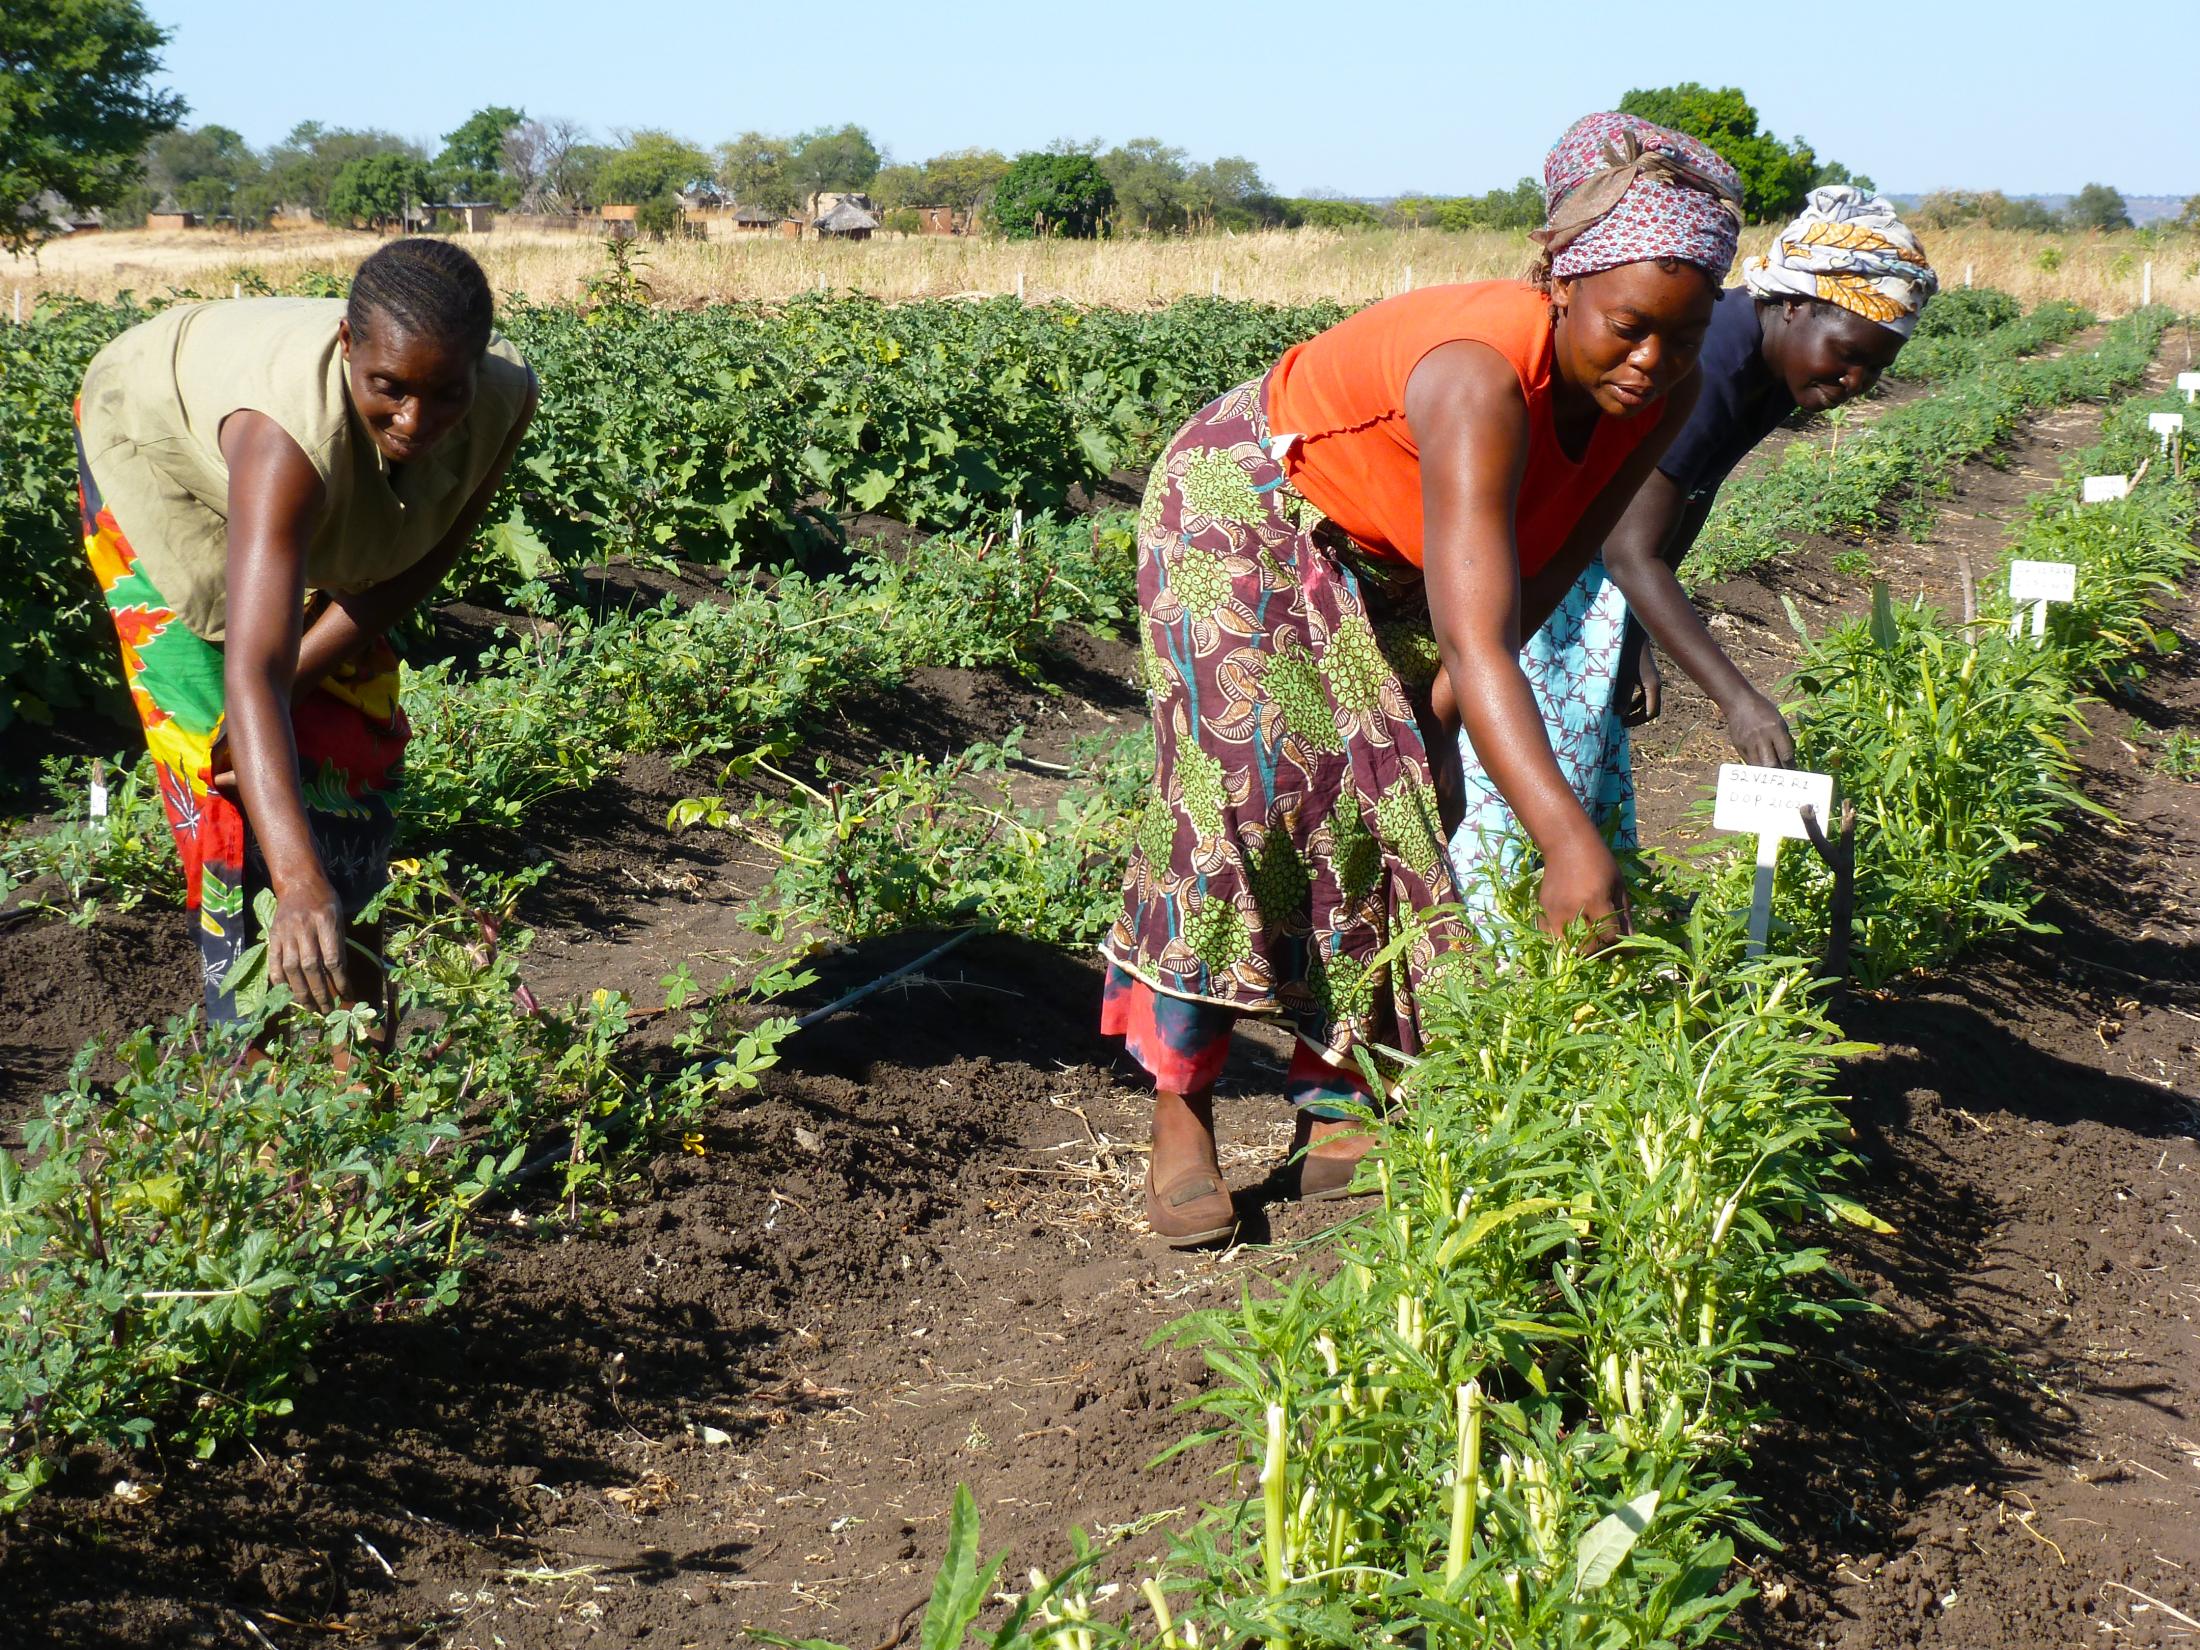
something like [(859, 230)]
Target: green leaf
[(1609, 1540), (871, 490), (1886, 634), (520, 545), (960, 1592), (1856, 1215)]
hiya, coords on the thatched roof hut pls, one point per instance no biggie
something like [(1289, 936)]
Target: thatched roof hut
[(845, 222)]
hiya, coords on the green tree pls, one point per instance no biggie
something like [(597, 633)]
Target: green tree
[(207, 170), (2097, 206), (897, 187), (1319, 213), (840, 159), (1228, 192), (77, 107), (2189, 219), (752, 170), (963, 178), (303, 167), (650, 166), (1052, 195), (376, 190), (471, 166), (1148, 177), (1775, 177)]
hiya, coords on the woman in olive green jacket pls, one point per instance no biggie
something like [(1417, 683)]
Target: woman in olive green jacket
[(269, 484)]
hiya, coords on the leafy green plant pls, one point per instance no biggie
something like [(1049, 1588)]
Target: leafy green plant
[(2180, 757), (1967, 312), (120, 858), (925, 844), (172, 1246), (1952, 750)]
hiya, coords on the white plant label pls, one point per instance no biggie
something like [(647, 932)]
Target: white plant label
[(1768, 803), (2166, 425), (2043, 581), (2189, 382), (2105, 489), (99, 799), (2039, 582)]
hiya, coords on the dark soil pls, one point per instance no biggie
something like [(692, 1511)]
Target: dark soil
[(913, 1260)]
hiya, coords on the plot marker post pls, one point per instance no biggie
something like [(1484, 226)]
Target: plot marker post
[(2038, 583), (2170, 427), (1768, 803), (2189, 382)]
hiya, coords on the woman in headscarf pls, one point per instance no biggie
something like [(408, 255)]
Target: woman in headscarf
[(1824, 310), (1439, 465), (270, 484)]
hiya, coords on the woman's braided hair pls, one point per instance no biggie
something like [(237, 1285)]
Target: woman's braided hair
[(427, 288)]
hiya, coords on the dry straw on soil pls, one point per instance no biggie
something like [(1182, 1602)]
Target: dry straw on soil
[(1285, 266)]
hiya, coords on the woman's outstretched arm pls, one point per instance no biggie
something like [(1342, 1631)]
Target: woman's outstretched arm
[(1467, 414), (275, 506)]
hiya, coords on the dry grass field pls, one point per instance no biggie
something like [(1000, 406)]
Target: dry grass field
[(1284, 266)]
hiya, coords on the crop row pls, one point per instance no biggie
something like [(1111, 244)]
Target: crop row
[(712, 435), (740, 431), (1508, 1415)]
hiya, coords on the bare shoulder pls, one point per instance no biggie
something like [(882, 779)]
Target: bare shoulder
[(1464, 384)]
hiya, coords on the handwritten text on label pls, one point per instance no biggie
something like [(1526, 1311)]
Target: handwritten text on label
[(2043, 581), (1770, 801)]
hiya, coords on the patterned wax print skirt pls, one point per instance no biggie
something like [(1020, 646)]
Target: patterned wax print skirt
[(1293, 831), (351, 735), (1572, 664)]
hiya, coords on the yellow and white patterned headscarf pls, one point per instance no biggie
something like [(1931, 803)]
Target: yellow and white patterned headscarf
[(1848, 249)]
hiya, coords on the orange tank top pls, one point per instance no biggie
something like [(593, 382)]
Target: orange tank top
[(1342, 393)]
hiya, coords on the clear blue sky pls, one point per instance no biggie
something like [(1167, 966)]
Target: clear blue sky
[(2022, 95)]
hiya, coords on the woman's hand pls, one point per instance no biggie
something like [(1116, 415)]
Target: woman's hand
[(305, 944), (1584, 882), (1760, 733)]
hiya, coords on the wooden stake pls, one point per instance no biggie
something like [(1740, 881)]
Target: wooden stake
[(1970, 588)]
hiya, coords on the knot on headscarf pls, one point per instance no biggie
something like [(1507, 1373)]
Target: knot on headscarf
[(1619, 190), (1848, 249)]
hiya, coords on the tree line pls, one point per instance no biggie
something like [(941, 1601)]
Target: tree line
[(81, 122)]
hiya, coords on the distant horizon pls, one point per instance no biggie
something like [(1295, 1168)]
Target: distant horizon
[(1467, 102)]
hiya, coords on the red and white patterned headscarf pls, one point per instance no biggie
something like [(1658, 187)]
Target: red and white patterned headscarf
[(1618, 189)]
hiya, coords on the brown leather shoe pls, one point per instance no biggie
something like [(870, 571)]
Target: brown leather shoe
[(1323, 1177), (1192, 1210)]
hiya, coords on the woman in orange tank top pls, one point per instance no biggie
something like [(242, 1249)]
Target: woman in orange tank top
[(1436, 469)]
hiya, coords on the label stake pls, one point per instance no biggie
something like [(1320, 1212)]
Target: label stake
[(1769, 803), (2039, 582)]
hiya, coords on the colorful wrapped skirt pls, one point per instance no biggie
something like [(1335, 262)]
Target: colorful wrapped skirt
[(351, 735), (1572, 664), (1293, 832)]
